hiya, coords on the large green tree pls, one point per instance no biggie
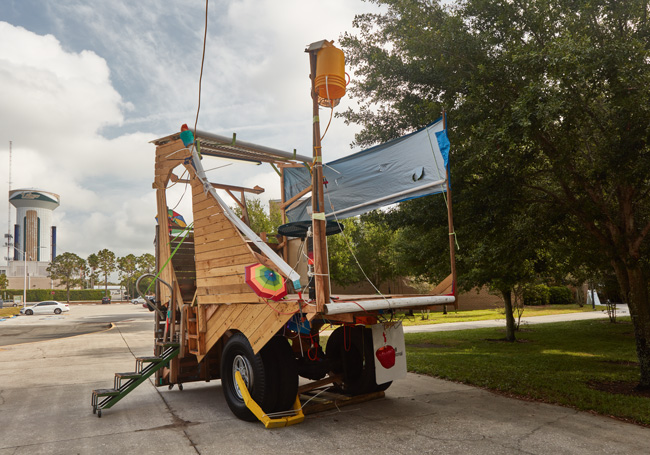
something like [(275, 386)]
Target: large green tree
[(146, 263), (67, 268), (556, 90), (260, 218), (365, 250), (128, 267), (106, 265), (93, 265), (4, 281)]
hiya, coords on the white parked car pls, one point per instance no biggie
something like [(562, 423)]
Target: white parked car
[(138, 301), (47, 307)]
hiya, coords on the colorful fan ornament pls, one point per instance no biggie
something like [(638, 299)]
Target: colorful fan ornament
[(265, 282), (175, 220)]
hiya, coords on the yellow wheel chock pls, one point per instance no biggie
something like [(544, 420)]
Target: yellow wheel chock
[(259, 413)]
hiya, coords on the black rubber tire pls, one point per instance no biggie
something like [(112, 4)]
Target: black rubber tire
[(57, 311), (352, 351), (237, 353), (99, 413), (29, 312), (281, 371)]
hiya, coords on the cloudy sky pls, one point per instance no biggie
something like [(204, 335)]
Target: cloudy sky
[(84, 87)]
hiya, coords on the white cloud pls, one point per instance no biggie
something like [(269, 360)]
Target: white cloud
[(57, 102), (83, 97)]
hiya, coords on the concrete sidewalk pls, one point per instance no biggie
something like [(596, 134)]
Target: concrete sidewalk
[(621, 310), (45, 409)]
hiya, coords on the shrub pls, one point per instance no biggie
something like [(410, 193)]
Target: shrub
[(537, 294), (560, 295), (38, 295)]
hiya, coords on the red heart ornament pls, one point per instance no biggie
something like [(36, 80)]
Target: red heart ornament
[(386, 356)]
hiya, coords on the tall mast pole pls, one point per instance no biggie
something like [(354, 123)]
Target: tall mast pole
[(321, 268), (9, 235)]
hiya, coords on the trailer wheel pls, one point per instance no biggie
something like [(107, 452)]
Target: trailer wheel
[(281, 373), (350, 348), (238, 356)]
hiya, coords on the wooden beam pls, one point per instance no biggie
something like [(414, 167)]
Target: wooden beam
[(256, 189), (321, 266), (296, 197)]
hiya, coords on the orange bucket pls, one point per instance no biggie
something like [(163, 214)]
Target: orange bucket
[(330, 73)]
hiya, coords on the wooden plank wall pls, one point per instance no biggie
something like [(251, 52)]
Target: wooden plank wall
[(168, 156), (221, 253), (258, 322)]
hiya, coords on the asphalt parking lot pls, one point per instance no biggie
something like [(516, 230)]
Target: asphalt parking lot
[(45, 408)]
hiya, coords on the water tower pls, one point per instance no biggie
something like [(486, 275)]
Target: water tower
[(34, 234)]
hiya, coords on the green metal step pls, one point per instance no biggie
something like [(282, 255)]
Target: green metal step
[(149, 359), (167, 344), (130, 375), (133, 378), (106, 392)]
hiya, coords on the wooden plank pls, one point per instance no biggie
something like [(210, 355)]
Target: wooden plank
[(268, 327), (197, 187), (226, 289), (227, 232), (444, 287), (226, 271), (215, 324), (210, 310), (222, 322), (295, 198), (162, 151), (205, 214), (202, 281), (240, 259), (211, 227), (202, 198), (219, 245), (204, 203), (248, 318), (211, 224), (202, 321), (226, 252), (234, 298)]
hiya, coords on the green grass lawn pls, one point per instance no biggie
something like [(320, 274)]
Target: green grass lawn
[(496, 313), (9, 312), (556, 363)]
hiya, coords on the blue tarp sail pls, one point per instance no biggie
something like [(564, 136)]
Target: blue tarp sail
[(405, 168)]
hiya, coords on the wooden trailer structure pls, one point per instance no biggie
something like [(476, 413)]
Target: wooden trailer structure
[(212, 324)]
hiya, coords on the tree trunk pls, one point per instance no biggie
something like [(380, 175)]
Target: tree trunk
[(639, 304), (510, 318)]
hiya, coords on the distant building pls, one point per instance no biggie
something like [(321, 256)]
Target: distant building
[(32, 246)]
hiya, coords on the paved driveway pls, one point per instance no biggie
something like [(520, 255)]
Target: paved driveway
[(45, 409)]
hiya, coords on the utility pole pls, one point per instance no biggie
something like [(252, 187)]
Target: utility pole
[(8, 235)]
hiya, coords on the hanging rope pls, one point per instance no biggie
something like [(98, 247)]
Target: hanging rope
[(205, 36), (347, 242), (444, 193)]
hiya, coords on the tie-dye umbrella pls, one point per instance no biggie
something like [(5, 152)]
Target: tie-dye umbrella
[(265, 282), (175, 220)]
